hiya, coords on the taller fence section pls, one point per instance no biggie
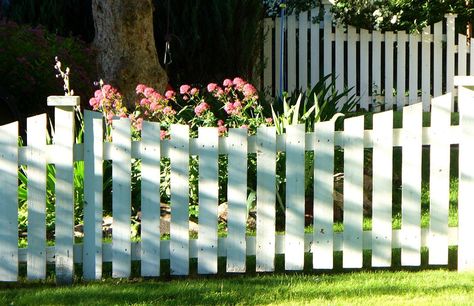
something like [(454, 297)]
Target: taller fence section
[(384, 69), (303, 220)]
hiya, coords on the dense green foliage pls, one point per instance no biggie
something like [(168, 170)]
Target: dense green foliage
[(26, 66)]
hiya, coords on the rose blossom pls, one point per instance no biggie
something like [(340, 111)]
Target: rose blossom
[(169, 94), (211, 87), (227, 82), (184, 89), (148, 92), (194, 91), (221, 129), (201, 108), (140, 88), (249, 90)]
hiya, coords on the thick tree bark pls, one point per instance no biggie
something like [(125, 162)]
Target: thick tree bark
[(126, 47)]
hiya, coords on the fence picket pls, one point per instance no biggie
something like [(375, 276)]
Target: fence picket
[(266, 183), (150, 199), (237, 200), (179, 180), (376, 68), (291, 47), (208, 200), (295, 197), (466, 179), (64, 162), (437, 58), (388, 76), (401, 68), (327, 40), (93, 194), (439, 180), (353, 191), (351, 59), (411, 185), (303, 50), (450, 44), (471, 57), (279, 56), (413, 68), (323, 245), (382, 189), (121, 198), (462, 53), (9, 202), (426, 68), (36, 265), (339, 65), (315, 48), (364, 69)]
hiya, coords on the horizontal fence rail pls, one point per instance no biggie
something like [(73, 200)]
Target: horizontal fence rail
[(352, 138), (384, 69)]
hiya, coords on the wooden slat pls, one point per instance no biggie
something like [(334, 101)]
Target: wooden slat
[(327, 48), (279, 55), (291, 72), (426, 68), (462, 54), (413, 66), (388, 77), (266, 171), (351, 59), (93, 194), (121, 198), (9, 202), (401, 68), (466, 180), (268, 55), (323, 244), (64, 226), (439, 180), (437, 58), (237, 200), (295, 197), (353, 191), (471, 57), (179, 180), (36, 133), (411, 185), (364, 69), (450, 45), (382, 189), (339, 65), (208, 200), (303, 50), (314, 48), (150, 199), (376, 68)]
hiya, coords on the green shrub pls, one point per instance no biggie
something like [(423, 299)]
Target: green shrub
[(26, 62)]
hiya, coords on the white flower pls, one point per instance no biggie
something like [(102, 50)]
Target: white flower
[(394, 19), (377, 13)]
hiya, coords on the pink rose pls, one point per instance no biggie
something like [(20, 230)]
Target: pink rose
[(244, 126), (144, 102), (94, 103), (220, 122), (221, 129), (229, 108), (194, 91), (140, 88), (139, 124), (168, 110), (106, 87), (153, 106), (184, 89), (238, 82), (148, 92), (227, 82), (249, 90), (169, 94), (110, 116), (163, 134), (268, 120), (211, 87), (201, 108), (98, 94)]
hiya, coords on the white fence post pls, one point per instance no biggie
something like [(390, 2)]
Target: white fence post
[(9, 202), (64, 139), (466, 174)]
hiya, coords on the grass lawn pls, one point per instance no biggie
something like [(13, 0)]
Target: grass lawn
[(430, 287)]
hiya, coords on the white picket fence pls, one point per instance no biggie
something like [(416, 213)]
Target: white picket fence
[(384, 68), (322, 242)]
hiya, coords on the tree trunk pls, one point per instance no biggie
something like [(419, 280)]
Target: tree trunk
[(126, 46)]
